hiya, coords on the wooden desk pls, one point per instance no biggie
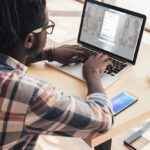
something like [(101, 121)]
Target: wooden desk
[(135, 82)]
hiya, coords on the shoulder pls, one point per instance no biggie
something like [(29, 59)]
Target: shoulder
[(29, 88), (33, 83)]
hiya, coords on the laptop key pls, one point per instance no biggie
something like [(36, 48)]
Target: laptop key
[(117, 67), (111, 70)]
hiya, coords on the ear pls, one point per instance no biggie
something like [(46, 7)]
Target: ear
[(29, 40)]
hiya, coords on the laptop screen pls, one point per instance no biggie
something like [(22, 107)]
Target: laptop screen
[(112, 29)]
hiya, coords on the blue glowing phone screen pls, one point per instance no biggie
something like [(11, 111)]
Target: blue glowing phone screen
[(121, 101)]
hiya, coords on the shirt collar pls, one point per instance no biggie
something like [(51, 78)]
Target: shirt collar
[(12, 63)]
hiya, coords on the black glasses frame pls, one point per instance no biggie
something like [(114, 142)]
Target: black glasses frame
[(50, 24)]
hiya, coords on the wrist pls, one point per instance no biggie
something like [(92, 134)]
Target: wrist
[(92, 79), (90, 75), (94, 84), (48, 54)]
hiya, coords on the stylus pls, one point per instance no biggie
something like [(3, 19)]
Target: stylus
[(137, 134)]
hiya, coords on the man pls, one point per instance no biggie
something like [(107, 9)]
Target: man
[(30, 107)]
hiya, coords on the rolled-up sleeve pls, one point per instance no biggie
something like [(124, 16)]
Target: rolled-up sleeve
[(53, 113)]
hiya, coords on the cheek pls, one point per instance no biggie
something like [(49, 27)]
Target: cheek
[(43, 41), (39, 43)]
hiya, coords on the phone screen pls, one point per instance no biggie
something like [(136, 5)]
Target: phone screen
[(122, 101)]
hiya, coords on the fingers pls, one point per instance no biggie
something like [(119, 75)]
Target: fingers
[(79, 55), (75, 47), (104, 58), (76, 50), (77, 60), (109, 62)]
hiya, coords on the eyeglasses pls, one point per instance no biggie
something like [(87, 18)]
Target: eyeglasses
[(49, 28)]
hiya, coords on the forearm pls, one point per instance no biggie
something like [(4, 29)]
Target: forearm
[(71, 116), (89, 118), (94, 84)]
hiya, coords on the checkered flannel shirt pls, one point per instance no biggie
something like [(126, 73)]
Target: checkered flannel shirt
[(30, 107)]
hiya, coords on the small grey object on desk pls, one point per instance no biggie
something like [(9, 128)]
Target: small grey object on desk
[(147, 27)]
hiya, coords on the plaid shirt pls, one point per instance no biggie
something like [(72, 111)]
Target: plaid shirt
[(30, 107)]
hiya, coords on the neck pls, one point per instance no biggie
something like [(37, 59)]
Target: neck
[(18, 53)]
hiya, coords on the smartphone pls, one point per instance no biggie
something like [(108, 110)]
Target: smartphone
[(122, 101)]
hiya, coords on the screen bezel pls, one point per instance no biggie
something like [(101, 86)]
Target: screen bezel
[(129, 95), (142, 16)]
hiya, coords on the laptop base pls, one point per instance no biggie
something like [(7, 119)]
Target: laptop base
[(75, 70)]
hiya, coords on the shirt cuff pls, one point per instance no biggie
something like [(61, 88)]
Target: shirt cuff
[(100, 98)]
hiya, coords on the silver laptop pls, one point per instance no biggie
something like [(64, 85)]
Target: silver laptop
[(111, 30)]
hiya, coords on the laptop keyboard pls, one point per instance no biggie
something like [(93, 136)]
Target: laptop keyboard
[(117, 65)]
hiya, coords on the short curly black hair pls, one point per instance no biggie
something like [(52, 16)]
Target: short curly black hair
[(17, 19)]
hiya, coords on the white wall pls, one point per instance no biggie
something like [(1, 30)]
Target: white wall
[(110, 1), (142, 6)]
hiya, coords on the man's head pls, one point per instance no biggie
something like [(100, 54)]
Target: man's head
[(18, 18)]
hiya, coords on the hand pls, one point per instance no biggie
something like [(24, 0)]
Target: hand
[(67, 54), (95, 66)]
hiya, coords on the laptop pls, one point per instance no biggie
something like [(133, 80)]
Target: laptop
[(112, 30)]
